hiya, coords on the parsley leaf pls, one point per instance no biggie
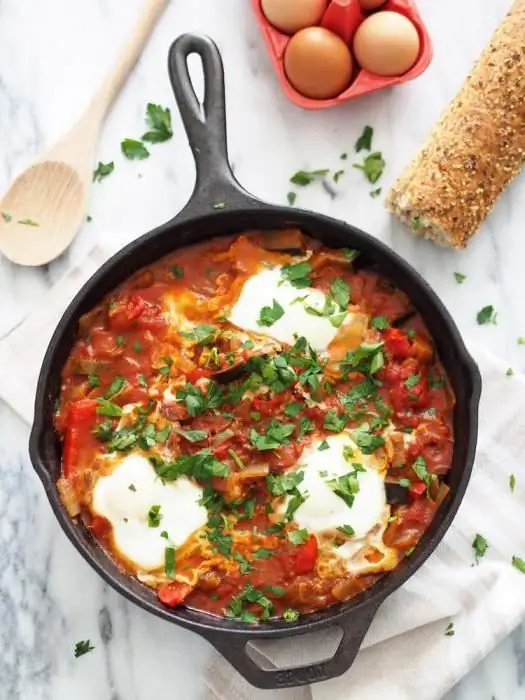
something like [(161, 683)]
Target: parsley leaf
[(154, 516), (480, 546), (297, 275), (82, 648), (459, 277), (291, 197), (109, 409), (115, 387), (270, 314), (292, 409), (280, 484), (422, 473), (201, 465), (323, 446), (380, 323), (203, 334), (364, 142), (197, 401), (305, 426), (340, 292), (193, 435), (347, 486), (103, 170), (276, 435), (372, 167), (346, 530), (334, 422), (305, 177), (249, 595), (298, 537), (158, 120), (366, 440), (290, 615), (169, 561), (6, 216), (93, 380), (518, 563), (486, 315), (262, 553), (177, 272), (134, 150), (450, 632), (368, 359), (512, 483)]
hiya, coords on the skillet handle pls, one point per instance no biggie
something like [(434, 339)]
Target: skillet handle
[(205, 124), (233, 647)]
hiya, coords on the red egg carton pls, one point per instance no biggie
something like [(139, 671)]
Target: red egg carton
[(343, 18)]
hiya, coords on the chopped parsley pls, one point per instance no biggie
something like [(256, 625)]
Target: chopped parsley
[(412, 381), (93, 380), (177, 272), (347, 486), (480, 546), (158, 120), (405, 483), (449, 632), (280, 484), (380, 323), (134, 150), (270, 314), (366, 440), (169, 561), (292, 409), (521, 341), (219, 205), (132, 487), (291, 197), (334, 422), (486, 315), (364, 142), (302, 178), (509, 372), (340, 291), (120, 340), (197, 401), (244, 565), (346, 530), (108, 408), (193, 435), (103, 170), (28, 222), (422, 473), (141, 379), (290, 615), (201, 465), (115, 387), (368, 359), (372, 167), (518, 563), (82, 647), (459, 277), (298, 275), (337, 175), (249, 596), (512, 483), (305, 426), (262, 553), (277, 434), (298, 537), (323, 446), (375, 193), (154, 516), (203, 334), (6, 216)]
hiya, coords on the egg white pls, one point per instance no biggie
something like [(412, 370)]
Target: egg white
[(127, 510), (268, 284)]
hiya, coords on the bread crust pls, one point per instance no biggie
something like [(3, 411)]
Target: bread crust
[(476, 148)]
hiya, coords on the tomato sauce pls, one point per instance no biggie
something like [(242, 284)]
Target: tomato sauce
[(132, 350)]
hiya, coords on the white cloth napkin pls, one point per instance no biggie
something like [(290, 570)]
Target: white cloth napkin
[(406, 654)]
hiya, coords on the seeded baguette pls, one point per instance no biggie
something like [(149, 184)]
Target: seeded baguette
[(476, 148)]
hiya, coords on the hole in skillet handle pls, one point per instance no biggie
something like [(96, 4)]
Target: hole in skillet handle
[(216, 187), (354, 625)]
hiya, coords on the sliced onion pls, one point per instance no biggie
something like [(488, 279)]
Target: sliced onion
[(222, 437), (254, 471), (68, 498)]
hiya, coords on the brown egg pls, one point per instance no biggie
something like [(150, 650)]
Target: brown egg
[(289, 16), (371, 4), (386, 43), (318, 63)]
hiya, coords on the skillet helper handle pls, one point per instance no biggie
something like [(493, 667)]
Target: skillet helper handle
[(233, 648), (205, 124)]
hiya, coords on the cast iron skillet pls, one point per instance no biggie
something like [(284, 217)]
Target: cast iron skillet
[(206, 129)]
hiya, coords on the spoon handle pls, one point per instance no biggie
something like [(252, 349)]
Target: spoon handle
[(128, 57)]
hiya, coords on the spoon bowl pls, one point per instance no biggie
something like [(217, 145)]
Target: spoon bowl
[(42, 212)]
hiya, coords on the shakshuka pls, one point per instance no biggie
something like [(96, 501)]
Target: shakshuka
[(256, 426)]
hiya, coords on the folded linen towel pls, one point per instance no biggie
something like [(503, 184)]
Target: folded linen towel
[(406, 654)]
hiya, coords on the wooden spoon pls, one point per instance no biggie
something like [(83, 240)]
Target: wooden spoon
[(43, 209)]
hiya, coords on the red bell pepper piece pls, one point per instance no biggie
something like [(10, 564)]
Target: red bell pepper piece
[(266, 406), (306, 556), (81, 419), (417, 489), (398, 343), (195, 374), (172, 594)]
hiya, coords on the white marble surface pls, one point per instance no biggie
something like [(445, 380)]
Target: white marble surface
[(52, 56)]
